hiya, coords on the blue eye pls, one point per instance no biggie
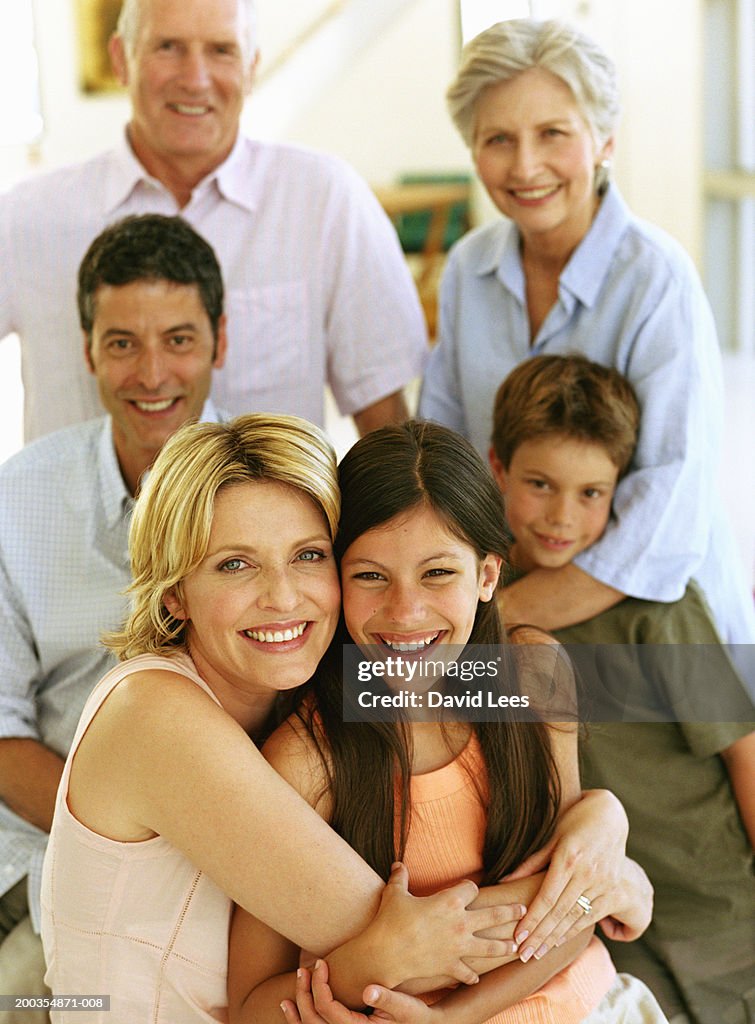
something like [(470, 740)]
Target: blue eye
[(233, 565), (312, 555)]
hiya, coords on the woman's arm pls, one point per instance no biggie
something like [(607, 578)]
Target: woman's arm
[(183, 769), (586, 854), (262, 963)]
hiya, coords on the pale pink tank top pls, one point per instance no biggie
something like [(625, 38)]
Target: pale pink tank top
[(135, 921)]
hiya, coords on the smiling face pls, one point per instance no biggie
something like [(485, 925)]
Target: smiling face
[(187, 77), (536, 157), (262, 606), (557, 491), (411, 585), (152, 351)]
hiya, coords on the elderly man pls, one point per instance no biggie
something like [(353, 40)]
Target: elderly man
[(317, 287), (151, 309)]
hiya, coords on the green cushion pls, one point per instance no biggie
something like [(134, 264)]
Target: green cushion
[(412, 228)]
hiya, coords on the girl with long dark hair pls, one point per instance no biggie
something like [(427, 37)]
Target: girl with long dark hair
[(421, 543)]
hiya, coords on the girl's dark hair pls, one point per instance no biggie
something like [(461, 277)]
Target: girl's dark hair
[(388, 473)]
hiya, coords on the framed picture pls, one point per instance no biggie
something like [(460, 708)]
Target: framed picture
[(96, 21)]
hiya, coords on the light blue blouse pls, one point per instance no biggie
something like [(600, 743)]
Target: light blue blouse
[(630, 298)]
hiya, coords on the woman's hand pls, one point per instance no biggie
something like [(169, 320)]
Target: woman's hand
[(432, 935), (631, 905), (585, 857), (315, 1003)]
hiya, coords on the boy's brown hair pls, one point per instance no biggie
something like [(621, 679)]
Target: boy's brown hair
[(567, 395)]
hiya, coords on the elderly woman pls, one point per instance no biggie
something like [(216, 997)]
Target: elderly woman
[(166, 811), (572, 270)]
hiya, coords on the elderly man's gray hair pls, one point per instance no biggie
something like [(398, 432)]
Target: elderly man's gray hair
[(128, 24)]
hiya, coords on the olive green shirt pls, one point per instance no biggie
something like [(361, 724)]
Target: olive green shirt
[(699, 952)]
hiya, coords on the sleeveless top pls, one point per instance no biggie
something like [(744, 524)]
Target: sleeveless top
[(444, 846), (136, 921)]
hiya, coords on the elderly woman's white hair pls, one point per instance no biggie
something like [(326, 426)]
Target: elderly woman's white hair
[(505, 50), (128, 24)]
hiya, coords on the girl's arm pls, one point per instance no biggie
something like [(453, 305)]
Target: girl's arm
[(262, 962), (497, 991), (739, 759), (185, 770)]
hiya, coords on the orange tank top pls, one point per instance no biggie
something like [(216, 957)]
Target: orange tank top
[(444, 846)]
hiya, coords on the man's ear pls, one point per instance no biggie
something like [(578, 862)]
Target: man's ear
[(498, 471), (116, 48), (88, 351), (221, 343), (251, 72), (174, 604), (490, 572)]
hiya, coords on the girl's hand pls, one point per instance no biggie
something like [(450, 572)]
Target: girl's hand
[(315, 1003), (433, 934), (585, 857)]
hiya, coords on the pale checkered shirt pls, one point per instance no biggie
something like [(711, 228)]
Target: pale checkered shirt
[(64, 511)]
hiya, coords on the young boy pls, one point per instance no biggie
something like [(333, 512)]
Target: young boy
[(564, 429)]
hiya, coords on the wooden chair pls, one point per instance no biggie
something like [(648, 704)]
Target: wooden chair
[(430, 213)]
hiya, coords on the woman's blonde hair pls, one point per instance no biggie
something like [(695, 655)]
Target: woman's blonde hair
[(172, 518), (505, 50)]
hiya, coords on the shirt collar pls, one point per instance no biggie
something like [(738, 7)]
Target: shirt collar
[(235, 179), (126, 174), (116, 501), (231, 178), (584, 273)]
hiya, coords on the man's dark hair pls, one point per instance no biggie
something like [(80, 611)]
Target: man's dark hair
[(150, 248)]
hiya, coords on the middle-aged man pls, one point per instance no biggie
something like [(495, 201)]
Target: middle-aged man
[(151, 309), (317, 288)]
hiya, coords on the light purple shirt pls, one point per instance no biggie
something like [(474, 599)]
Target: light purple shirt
[(630, 298), (317, 289)]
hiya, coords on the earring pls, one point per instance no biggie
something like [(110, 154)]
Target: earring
[(602, 176)]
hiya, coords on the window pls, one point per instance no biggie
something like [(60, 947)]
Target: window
[(20, 116), (730, 169)]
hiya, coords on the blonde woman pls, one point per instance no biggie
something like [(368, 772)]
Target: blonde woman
[(166, 810)]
